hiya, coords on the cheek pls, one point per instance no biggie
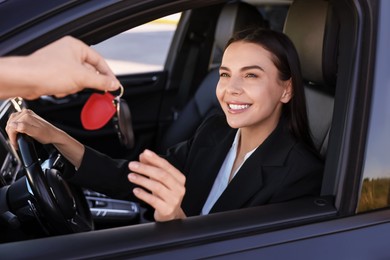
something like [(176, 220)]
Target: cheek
[(266, 97), (273, 90), (219, 92)]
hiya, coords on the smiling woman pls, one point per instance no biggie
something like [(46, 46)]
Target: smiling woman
[(202, 175), (343, 50)]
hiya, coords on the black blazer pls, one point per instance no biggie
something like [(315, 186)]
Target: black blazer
[(280, 169)]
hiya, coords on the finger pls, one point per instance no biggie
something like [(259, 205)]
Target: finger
[(90, 67), (19, 128), (98, 81), (25, 127), (61, 95), (29, 123), (22, 115), (160, 175), (163, 210), (96, 60), (12, 133), (149, 198), (105, 79), (16, 115), (151, 158), (172, 198), (12, 126), (155, 186)]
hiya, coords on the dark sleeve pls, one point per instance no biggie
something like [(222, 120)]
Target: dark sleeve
[(106, 175), (103, 174)]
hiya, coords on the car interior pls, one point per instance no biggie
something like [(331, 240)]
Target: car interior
[(166, 109), (315, 38)]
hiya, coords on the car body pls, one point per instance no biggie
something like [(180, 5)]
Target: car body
[(351, 218)]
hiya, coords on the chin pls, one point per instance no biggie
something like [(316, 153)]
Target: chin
[(233, 124)]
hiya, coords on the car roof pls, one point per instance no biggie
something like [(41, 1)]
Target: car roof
[(22, 15)]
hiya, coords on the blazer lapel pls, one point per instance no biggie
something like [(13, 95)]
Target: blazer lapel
[(249, 180), (201, 177)]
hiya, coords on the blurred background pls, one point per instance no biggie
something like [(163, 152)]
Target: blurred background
[(141, 49)]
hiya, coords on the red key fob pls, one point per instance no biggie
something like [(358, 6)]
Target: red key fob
[(97, 111)]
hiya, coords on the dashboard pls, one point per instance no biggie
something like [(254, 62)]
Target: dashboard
[(9, 159)]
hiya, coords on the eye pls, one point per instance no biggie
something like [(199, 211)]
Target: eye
[(223, 75), (251, 75)]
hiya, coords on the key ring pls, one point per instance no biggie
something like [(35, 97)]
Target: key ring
[(116, 100), (122, 91)]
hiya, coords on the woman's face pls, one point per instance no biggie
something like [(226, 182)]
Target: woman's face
[(249, 90)]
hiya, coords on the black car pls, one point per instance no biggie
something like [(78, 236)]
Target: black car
[(169, 72)]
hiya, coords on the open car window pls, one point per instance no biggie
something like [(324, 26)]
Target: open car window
[(122, 51)]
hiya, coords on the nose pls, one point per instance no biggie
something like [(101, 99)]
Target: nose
[(234, 86)]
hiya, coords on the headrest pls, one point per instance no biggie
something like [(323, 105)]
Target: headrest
[(236, 17), (313, 29)]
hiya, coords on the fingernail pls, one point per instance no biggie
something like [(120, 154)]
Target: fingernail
[(148, 152), (131, 176), (114, 85), (136, 191), (133, 165)]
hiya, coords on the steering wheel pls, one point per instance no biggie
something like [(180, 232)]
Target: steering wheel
[(61, 207)]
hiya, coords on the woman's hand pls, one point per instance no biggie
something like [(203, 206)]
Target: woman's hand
[(29, 123), (163, 181)]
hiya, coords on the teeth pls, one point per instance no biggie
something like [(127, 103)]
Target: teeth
[(238, 107)]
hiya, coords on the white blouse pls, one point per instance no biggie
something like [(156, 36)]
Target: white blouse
[(222, 180)]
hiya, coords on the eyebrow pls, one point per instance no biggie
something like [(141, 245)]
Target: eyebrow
[(244, 68)]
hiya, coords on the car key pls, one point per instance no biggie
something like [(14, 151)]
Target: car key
[(122, 122)]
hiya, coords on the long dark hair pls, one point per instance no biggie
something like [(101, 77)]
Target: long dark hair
[(286, 60)]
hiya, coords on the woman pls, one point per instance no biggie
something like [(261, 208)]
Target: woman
[(258, 152)]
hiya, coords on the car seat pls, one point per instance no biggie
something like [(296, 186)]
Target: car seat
[(233, 17), (313, 29)]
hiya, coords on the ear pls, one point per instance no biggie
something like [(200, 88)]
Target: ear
[(287, 92)]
